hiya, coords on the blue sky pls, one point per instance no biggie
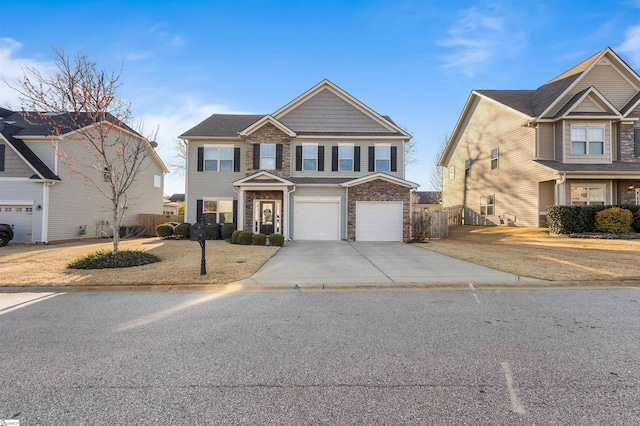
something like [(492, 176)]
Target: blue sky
[(416, 61)]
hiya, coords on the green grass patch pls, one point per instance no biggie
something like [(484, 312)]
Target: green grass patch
[(104, 259)]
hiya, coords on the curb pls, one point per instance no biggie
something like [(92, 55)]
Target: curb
[(238, 286)]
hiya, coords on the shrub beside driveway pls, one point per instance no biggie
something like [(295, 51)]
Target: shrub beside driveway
[(38, 265), (532, 252)]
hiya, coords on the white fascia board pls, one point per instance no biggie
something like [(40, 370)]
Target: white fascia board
[(186, 139), (254, 176), (355, 138), (634, 106), (267, 119), (326, 84), (382, 176)]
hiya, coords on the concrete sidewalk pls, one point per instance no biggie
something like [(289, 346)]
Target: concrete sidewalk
[(370, 264)]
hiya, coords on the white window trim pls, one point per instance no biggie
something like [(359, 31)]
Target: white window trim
[(588, 185), (307, 144), (487, 205), (452, 172), (157, 181), (587, 127), (497, 158), (217, 200), (376, 158), (218, 146), (262, 156), (353, 154)]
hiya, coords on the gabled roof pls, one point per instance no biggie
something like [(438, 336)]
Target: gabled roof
[(569, 107), (42, 171), (262, 179), (264, 120), (380, 175), (222, 125), (177, 198), (631, 105)]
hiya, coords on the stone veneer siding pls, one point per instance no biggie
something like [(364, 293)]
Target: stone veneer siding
[(269, 134), (379, 190), (627, 144), (249, 198), (626, 197)]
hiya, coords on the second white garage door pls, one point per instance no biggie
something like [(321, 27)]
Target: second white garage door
[(21, 220), (317, 218), (379, 221)]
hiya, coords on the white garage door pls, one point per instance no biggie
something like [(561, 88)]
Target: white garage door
[(317, 219), (21, 219), (379, 221)]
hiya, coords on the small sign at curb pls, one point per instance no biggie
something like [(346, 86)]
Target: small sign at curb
[(10, 422)]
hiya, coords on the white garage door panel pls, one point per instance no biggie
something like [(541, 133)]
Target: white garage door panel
[(317, 221), (379, 221), (21, 219)]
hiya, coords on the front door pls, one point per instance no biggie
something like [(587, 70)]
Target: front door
[(267, 212)]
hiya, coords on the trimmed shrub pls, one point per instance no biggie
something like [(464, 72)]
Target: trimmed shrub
[(276, 240), (164, 230), (245, 238), (174, 224), (226, 230), (572, 219), (259, 239), (234, 236), (213, 231), (614, 220), (636, 221), (103, 259), (183, 230)]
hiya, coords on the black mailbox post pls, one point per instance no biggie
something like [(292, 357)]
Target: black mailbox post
[(202, 238)]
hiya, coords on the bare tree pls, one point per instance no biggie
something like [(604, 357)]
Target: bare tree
[(435, 178), (78, 103), (410, 150), (179, 164)]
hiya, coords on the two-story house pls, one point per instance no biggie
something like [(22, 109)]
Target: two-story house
[(43, 194), (573, 141), (323, 167)]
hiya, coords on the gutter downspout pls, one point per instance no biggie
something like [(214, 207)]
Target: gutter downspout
[(287, 213), (562, 181)]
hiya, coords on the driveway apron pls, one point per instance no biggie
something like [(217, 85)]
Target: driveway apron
[(340, 262)]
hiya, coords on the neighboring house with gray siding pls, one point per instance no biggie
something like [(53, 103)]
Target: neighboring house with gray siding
[(573, 141), (44, 200), (323, 167)]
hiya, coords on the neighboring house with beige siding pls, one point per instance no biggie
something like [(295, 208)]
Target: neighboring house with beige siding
[(46, 200), (573, 141), (323, 167)]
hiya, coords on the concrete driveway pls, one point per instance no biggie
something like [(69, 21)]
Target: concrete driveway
[(340, 262)]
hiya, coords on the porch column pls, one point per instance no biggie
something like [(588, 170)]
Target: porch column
[(240, 223), (285, 213)]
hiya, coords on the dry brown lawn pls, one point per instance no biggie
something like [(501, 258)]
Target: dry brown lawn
[(38, 265), (532, 252)]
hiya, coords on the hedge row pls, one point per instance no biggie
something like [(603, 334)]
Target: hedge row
[(580, 219), (247, 238), (213, 231)]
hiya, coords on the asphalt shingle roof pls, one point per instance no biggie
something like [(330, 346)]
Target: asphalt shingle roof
[(223, 125), (616, 166), (8, 131), (429, 197)]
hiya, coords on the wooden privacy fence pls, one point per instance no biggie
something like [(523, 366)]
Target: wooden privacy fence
[(431, 224), (456, 214), (148, 222)]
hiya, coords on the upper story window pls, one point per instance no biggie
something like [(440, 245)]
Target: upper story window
[(383, 158), (268, 156), (218, 158), (467, 168), (494, 158), (345, 158), (310, 157), (587, 140), (587, 195), (452, 172), (157, 181)]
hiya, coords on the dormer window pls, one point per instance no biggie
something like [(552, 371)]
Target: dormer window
[(587, 140)]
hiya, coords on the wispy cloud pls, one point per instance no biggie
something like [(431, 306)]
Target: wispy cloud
[(477, 37), (631, 46), (151, 43), (11, 69)]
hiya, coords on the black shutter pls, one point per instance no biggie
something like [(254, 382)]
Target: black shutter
[(2, 157), (636, 140), (236, 159), (279, 156), (256, 156), (198, 211), (394, 158), (200, 159), (356, 159), (321, 158), (235, 212), (298, 158), (372, 158), (334, 158)]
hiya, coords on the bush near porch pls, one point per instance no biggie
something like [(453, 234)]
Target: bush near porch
[(581, 219)]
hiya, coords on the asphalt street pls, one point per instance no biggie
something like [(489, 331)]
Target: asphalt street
[(476, 357)]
